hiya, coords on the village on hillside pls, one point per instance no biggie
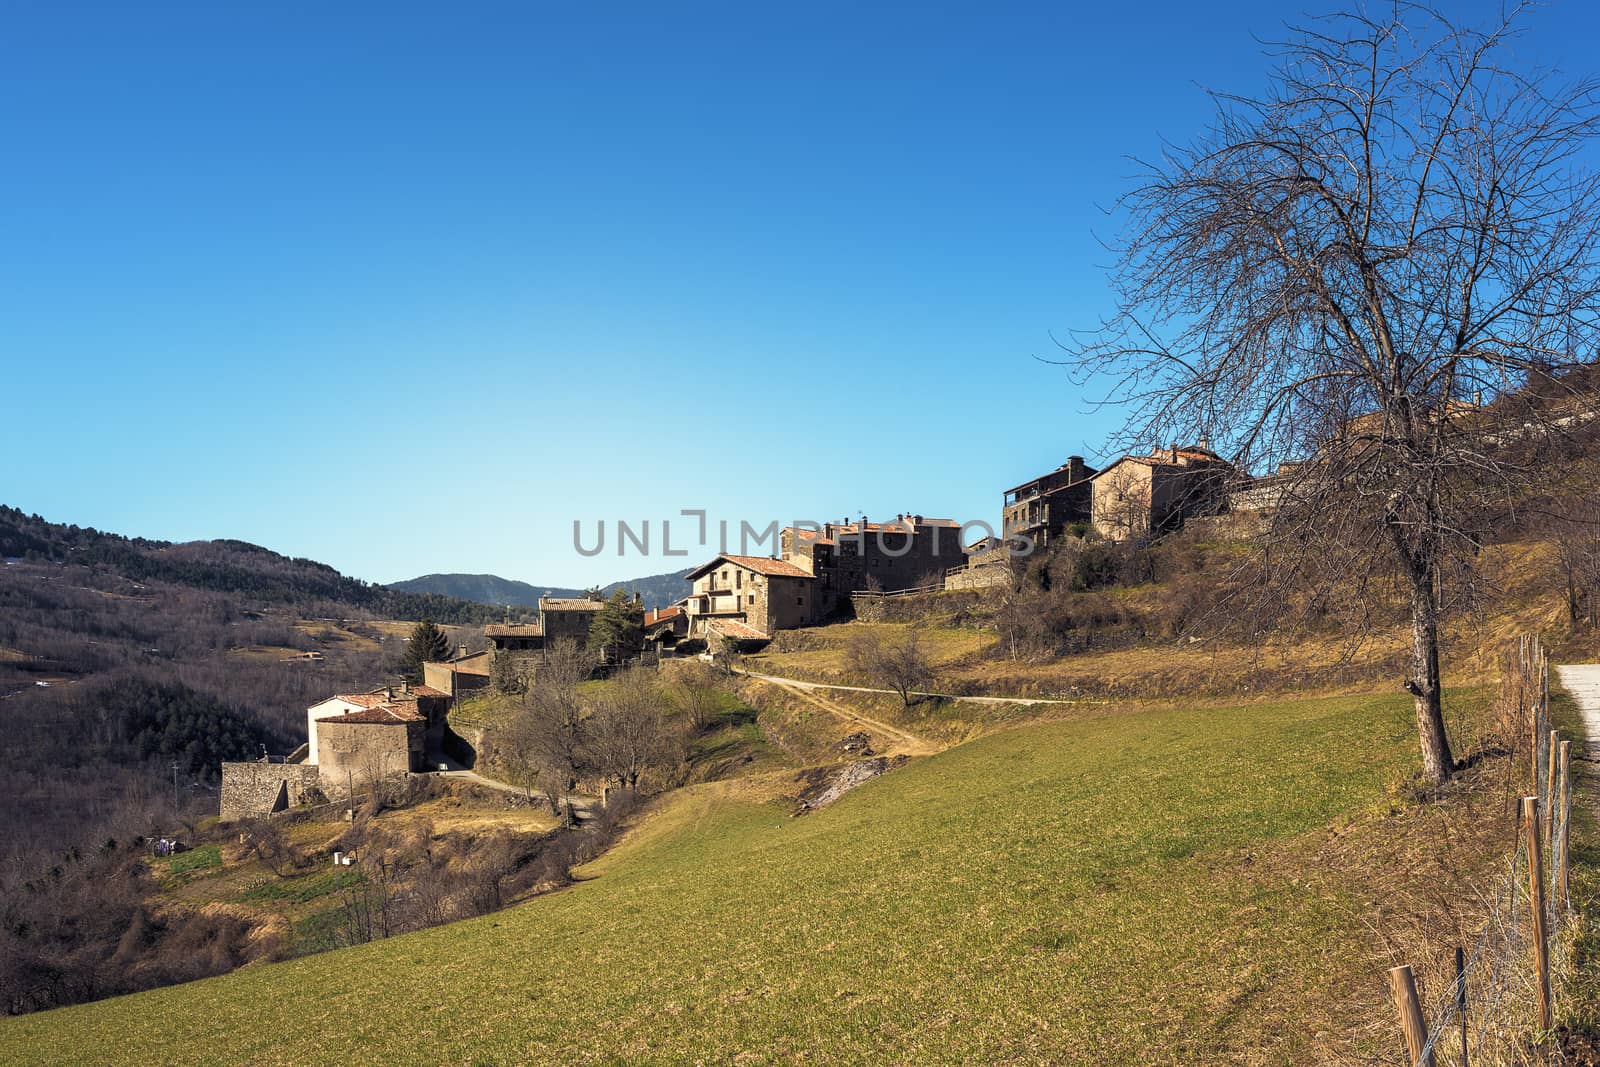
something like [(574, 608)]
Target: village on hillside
[(738, 603)]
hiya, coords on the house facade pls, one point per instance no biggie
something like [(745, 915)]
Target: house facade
[(1146, 496), (849, 557), (1043, 508), (567, 618), (753, 595)]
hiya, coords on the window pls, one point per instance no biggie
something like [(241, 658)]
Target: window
[(738, 579), (752, 598), (800, 601)]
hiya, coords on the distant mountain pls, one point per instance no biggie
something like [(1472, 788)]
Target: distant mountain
[(483, 588), (225, 567), (658, 590)]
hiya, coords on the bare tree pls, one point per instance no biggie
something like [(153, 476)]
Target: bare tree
[(695, 690), (1575, 525), (1383, 270), (629, 732), (897, 663), (549, 733)]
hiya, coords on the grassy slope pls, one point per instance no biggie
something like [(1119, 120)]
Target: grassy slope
[(1113, 889)]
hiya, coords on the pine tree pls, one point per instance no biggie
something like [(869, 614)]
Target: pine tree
[(618, 628), (427, 644)]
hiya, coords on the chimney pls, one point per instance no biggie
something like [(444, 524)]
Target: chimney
[(917, 519), (461, 652), (405, 686), (388, 692)]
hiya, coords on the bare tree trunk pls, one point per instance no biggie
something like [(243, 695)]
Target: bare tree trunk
[(1423, 684)]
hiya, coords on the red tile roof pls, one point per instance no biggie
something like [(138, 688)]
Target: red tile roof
[(513, 629), (383, 715), (760, 564), (737, 630), (653, 617), (559, 603), (364, 700), (427, 691)]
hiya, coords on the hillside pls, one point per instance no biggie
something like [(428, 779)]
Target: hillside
[(223, 566), (482, 588), (658, 590), (1208, 872)]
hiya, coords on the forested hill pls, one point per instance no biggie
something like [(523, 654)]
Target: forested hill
[(223, 566), (658, 590), (482, 588)]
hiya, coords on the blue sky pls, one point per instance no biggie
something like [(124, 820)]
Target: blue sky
[(409, 288)]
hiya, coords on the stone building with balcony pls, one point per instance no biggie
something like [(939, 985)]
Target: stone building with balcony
[(1044, 508), (746, 599)]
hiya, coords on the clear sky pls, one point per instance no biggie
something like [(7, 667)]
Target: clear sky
[(409, 288)]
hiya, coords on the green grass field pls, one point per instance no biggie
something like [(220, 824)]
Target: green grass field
[(1137, 888)]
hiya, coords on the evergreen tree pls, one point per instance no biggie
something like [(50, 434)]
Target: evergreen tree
[(427, 644), (618, 628)]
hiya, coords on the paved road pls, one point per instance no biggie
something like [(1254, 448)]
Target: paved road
[(800, 684), (1582, 680)]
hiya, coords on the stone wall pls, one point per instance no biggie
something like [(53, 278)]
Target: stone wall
[(263, 788), (994, 576), (358, 752)]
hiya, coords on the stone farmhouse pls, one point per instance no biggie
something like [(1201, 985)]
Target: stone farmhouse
[(351, 738), (560, 618), (746, 599)]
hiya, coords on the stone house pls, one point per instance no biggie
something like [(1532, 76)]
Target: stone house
[(422, 703), (849, 557), (1146, 496), (1042, 509), (567, 617), (753, 595), (560, 618), (464, 673), (368, 745)]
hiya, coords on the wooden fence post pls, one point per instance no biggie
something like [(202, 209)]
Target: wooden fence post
[(1404, 986), (1461, 999), (1563, 803), (1550, 804), (1536, 901)]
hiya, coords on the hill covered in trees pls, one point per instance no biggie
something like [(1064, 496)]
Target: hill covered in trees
[(224, 566), (658, 590)]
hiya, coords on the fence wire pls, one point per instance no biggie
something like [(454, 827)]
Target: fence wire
[(1498, 983)]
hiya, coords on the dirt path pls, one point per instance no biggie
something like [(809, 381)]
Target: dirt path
[(463, 775), (1582, 680), (813, 686), (899, 741)]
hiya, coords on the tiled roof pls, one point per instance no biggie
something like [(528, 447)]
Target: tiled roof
[(737, 630), (364, 700), (557, 603), (653, 617), (428, 691), (760, 564), (382, 715), (513, 629)]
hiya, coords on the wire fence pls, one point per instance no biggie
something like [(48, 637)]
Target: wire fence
[(1499, 1005)]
